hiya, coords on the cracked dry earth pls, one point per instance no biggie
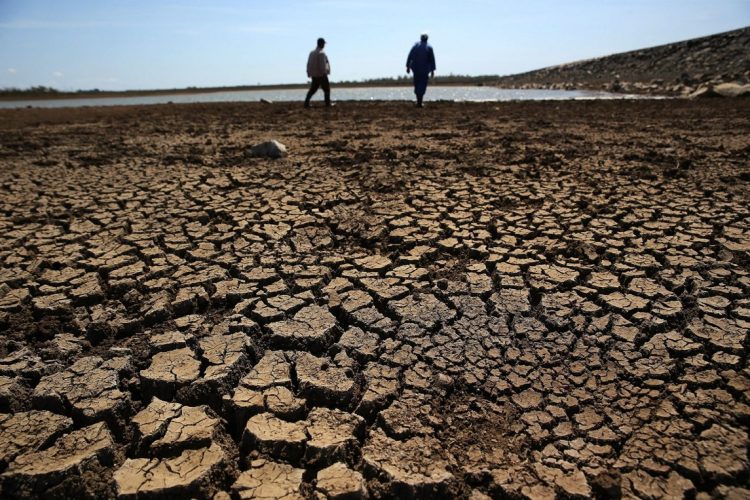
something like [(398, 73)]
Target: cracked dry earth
[(528, 300)]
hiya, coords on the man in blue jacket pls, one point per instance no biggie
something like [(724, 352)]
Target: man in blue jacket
[(421, 61)]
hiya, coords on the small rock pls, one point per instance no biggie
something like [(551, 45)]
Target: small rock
[(733, 90), (269, 149)]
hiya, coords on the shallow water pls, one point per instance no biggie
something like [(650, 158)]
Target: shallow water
[(435, 93)]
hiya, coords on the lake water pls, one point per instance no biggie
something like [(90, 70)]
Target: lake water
[(434, 93)]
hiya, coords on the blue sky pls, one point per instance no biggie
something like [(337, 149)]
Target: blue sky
[(146, 44)]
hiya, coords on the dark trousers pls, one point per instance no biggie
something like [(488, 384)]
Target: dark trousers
[(318, 82), (420, 84)]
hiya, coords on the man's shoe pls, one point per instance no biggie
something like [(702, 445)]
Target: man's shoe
[(330, 105)]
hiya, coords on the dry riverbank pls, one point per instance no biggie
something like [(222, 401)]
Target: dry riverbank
[(528, 299)]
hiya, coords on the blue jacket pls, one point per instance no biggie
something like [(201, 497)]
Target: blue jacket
[(421, 58)]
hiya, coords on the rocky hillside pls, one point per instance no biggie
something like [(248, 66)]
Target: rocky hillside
[(675, 68)]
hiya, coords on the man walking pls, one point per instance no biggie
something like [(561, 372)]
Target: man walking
[(318, 68), (421, 61)]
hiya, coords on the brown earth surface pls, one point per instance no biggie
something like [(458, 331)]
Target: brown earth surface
[(532, 299)]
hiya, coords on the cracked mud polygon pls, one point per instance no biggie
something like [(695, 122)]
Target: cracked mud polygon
[(532, 300)]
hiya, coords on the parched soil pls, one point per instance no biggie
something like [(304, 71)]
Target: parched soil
[(527, 300)]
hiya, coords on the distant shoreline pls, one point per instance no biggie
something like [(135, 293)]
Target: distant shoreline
[(36, 96)]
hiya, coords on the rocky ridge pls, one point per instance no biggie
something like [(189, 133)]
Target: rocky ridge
[(684, 68)]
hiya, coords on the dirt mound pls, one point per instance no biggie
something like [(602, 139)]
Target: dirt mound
[(675, 68)]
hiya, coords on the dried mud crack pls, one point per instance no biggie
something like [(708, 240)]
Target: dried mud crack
[(526, 300)]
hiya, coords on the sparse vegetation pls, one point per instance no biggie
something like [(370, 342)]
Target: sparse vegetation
[(38, 89), (449, 79)]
